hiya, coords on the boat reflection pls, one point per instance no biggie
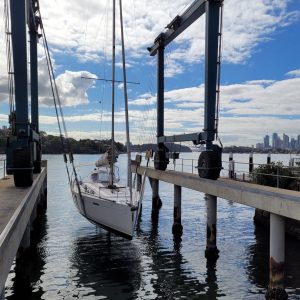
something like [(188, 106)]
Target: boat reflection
[(105, 266), (174, 278)]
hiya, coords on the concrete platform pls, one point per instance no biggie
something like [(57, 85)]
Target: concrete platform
[(16, 208), (278, 201)]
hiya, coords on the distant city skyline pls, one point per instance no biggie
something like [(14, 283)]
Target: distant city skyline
[(286, 143)]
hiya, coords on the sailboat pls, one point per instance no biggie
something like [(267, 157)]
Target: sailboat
[(102, 199)]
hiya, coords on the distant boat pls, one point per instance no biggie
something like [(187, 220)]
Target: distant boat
[(102, 199)]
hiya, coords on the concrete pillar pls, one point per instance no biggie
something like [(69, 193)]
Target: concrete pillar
[(156, 202), (138, 182), (250, 162), (211, 251), (277, 258), (177, 227), (269, 158)]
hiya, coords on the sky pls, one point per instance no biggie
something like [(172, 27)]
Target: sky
[(260, 71)]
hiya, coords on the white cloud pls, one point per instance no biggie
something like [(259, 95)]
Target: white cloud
[(71, 87), (248, 131), (278, 98), (85, 32), (143, 100), (294, 73), (88, 28), (262, 82), (3, 118), (248, 110)]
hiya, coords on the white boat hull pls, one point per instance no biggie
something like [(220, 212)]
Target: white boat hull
[(109, 208)]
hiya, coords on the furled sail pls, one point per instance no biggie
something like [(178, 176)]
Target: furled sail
[(102, 161), (106, 159)]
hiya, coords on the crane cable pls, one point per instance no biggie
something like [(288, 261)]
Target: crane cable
[(9, 57), (66, 146), (220, 36)]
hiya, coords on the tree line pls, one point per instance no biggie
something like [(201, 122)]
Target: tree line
[(51, 144)]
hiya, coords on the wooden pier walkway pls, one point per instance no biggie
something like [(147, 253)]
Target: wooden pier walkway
[(18, 209)]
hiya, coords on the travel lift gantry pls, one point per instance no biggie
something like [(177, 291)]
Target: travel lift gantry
[(209, 163), (23, 151)]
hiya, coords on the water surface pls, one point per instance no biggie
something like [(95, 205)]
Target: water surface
[(74, 259)]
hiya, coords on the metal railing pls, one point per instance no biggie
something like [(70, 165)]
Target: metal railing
[(241, 171)]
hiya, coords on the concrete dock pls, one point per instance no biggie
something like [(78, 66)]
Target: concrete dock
[(18, 210), (278, 201)]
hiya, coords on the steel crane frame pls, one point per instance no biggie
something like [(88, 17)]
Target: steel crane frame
[(23, 149), (209, 165)]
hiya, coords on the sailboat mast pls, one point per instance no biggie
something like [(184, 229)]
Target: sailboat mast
[(111, 177), (129, 179)]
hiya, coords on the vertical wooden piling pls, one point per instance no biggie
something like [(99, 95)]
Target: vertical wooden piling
[(211, 251), (231, 166), (269, 158), (177, 227), (277, 258), (250, 162)]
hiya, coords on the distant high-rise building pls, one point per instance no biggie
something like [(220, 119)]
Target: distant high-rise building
[(266, 142), (276, 142), (298, 142), (293, 144), (286, 141), (259, 146)]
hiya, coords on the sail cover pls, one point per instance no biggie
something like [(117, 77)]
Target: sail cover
[(106, 158), (103, 160)]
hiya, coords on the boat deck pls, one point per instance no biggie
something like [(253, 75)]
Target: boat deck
[(121, 194)]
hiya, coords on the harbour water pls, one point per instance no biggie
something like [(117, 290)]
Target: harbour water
[(73, 259)]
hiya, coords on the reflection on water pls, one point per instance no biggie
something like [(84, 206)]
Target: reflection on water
[(174, 279), (29, 266), (107, 265), (258, 259), (75, 260)]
